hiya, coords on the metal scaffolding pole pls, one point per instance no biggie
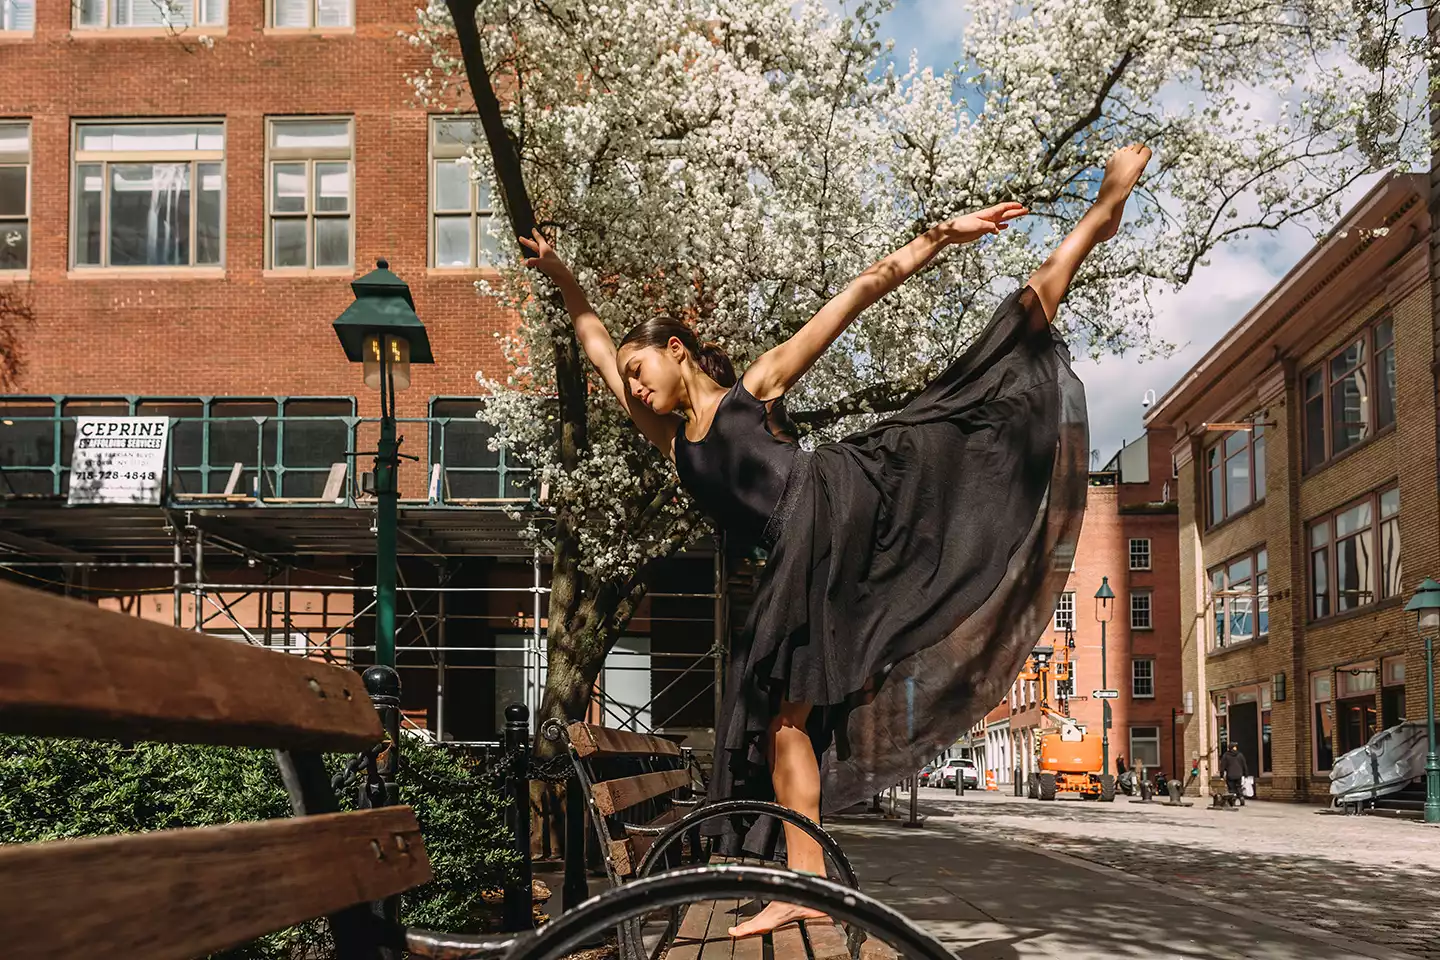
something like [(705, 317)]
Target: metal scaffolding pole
[(533, 687), (199, 579), (440, 668)]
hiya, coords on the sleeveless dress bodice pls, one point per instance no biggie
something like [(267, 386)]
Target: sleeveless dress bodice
[(737, 472)]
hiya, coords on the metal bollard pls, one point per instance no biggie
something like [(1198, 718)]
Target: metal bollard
[(519, 895), (959, 782), (383, 685), (915, 819)]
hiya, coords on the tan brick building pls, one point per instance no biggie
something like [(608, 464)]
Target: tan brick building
[(1306, 462)]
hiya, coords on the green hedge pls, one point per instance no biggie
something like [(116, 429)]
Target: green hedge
[(54, 789)]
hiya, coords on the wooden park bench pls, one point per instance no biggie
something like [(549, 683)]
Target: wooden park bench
[(69, 669), (621, 773)]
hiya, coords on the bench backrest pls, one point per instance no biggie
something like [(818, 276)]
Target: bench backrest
[(69, 669), (628, 776)]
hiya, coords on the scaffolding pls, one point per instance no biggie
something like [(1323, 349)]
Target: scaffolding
[(289, 572)]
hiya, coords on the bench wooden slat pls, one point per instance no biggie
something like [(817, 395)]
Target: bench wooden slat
[(827, 942), (186, 893), (746, 948), (592, 740), (612, 796), (625, 855), (690, 938), (79, 671), (788, 943)]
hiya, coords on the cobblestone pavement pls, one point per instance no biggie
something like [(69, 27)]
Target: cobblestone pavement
[(1360, 878)]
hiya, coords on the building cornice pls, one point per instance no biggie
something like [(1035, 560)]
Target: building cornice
[(1253, 347)]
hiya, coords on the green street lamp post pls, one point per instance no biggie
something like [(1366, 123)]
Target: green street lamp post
[(1426, 607), (381, 331), (1104, 610)]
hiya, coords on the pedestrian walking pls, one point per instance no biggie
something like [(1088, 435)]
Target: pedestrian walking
[(1234, 769)]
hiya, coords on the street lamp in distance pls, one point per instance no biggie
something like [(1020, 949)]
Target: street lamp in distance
[(1426, 607), (1104, 612)]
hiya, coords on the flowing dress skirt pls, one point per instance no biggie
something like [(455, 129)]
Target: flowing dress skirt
[(920, 562)]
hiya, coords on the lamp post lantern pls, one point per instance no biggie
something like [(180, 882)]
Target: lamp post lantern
[(1104, 610), (1426, 607), (381, 331)]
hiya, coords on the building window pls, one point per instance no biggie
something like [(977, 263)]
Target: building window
[(309, 189), (1266, 765), (1240, 598), (1142, 678), (14, 196), (1065, 612), (312, 14), (1324, 721), (17, 15), (462, 219), (1235, 472), (1355, 717), (1145, 747), (1351, 395), (466, 461), (1346, 571), (148, 194), (1140, 610), (1140, 554), (1392, 692), (153, 14)]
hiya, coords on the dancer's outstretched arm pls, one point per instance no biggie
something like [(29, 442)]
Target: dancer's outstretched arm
[(595, 341), (778, 369)]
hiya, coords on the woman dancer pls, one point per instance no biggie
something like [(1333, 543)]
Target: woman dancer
[(912, 566)]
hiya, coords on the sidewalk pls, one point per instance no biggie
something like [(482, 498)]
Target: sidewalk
[(993, 898)]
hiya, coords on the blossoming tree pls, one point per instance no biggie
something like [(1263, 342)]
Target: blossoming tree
[(736, 162)]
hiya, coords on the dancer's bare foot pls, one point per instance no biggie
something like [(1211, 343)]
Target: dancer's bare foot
[(1122, 172), (774, 915)]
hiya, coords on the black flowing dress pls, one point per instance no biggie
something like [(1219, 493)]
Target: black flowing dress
[(911, 566)]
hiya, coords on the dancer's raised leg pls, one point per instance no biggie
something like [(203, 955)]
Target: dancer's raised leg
[(1100, 223), (795, 772)]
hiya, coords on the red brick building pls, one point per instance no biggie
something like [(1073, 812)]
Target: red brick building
[(1129, 536), (183, 206)]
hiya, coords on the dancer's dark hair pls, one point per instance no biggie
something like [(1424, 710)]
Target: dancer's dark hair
[(657, 331)]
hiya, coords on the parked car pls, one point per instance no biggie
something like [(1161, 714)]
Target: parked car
[(925, 773), (945, 774)]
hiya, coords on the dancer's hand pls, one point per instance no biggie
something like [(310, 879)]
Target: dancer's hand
[(973, 226), (546, 260)]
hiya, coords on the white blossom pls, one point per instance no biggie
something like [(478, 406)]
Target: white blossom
[(736, 162)]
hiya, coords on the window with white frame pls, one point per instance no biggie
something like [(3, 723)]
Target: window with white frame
[(1140, 618), (1065, 612), (311, 14), (1145, 747), (1142, 678), (14, 195), (1140, 554), (151, 14), (148, 194), (17, 15), (309, 189), (462, 215)]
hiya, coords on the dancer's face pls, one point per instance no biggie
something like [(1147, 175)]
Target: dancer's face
[(652, 374)]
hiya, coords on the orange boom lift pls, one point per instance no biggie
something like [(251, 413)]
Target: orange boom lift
[(1068, 759)]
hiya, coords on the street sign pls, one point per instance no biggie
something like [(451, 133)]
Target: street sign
[(1104, 694)]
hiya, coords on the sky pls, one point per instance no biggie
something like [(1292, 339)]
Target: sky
[(1193, 319)]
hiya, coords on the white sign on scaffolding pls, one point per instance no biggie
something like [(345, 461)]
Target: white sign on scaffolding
[(118, 459)]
